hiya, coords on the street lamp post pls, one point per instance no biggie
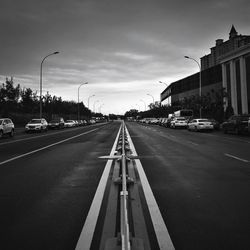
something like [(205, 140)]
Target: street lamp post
[(100, 108), (152, 98), (41, 81), (139, 107), (144, 104), (199, 78), (94, 105), (89, 98), (163, 83), (78, 99)]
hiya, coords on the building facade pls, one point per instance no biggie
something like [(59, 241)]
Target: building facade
[(226, 68)]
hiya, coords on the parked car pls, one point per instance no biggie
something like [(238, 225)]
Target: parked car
[(154, 121), (237, 124), (200, 124), (56, 123), (178, 122), (167, 122), (37, 125), (6, 127), (69, 124), (215, 123)]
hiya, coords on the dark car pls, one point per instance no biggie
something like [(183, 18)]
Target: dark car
[(56, 123), (237, 124), (215, 123)]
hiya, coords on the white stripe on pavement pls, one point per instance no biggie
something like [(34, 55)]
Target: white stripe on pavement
[(86, 236), (160, 228), (235, 157), (51, 145), (39, 136)]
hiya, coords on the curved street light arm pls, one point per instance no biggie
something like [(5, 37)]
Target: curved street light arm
[(41, 79)]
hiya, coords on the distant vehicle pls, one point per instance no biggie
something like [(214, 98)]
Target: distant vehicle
[(187, 113), (167, 123), (56, 123), (92, 121), (6, 127), (69, 124), (80, 122), (178, 122), (154, 121), (38, 125), (237, 124), (215, 123), (200, 124)]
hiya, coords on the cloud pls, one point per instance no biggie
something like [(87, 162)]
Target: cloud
[(121, 48)]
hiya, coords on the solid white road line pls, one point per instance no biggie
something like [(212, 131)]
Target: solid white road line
[(39, 136), (160, 228), (235, 157), (86, 236), (193, 143), (51, 145)]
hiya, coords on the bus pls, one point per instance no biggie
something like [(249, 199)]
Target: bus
[(187, 113)]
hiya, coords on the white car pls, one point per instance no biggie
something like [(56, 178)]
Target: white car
[(37, 125), (200, 124), (69, 124), (6, 127), (178, 122)]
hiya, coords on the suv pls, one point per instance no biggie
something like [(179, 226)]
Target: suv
[(36, 125), (6, 127), (56, 123), (237, 124)]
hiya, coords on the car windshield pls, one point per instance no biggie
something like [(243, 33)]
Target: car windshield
[(203, 120), (36, 121), (245, 118)]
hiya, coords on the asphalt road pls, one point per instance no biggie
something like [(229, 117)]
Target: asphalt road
[(201, 182), (45, 196)]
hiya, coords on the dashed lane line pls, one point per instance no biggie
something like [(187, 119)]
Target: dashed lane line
[(48, 146), (86, 236), (236, 158)]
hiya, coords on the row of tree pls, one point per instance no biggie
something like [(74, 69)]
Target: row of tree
[(211, 104), (21, 104)]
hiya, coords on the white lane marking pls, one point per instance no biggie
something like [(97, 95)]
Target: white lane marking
[(39, 136), (51, 145), (160, 228), (86, 236), (235, 157), (195, 144), (30, 138)]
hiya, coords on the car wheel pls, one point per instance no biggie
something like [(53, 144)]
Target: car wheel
[(195, 129), (1, 133), (11, 133), (225, 131)]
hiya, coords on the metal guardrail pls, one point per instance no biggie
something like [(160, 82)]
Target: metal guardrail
[(125, 242)]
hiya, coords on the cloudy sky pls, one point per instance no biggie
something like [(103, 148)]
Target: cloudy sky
[(121, 48)]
